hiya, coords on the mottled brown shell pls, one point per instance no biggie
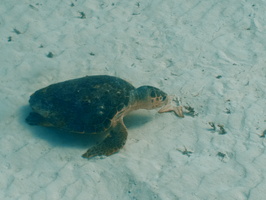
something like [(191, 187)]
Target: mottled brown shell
[(83, 105)]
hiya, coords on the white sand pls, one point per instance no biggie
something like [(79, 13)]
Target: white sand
[(181, 47)]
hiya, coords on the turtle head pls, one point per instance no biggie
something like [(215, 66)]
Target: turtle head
[(148, 97)]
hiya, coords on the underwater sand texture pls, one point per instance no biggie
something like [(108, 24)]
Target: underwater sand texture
[(211, 54)]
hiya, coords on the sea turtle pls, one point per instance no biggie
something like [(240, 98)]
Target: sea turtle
[(95, 104)]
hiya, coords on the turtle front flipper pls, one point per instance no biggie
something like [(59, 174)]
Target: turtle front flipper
[(111, 144)]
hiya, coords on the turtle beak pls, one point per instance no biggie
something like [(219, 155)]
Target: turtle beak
[(166, 103), (168, 107)]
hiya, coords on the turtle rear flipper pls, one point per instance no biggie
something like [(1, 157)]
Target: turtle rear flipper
[(36, 119), (111, 144)]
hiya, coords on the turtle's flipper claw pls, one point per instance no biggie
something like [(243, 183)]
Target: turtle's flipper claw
[(111, 144)]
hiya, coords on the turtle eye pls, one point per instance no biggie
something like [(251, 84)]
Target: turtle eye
[(164, 97)]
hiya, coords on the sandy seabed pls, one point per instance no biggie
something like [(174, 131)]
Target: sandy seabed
[(211, 54)]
